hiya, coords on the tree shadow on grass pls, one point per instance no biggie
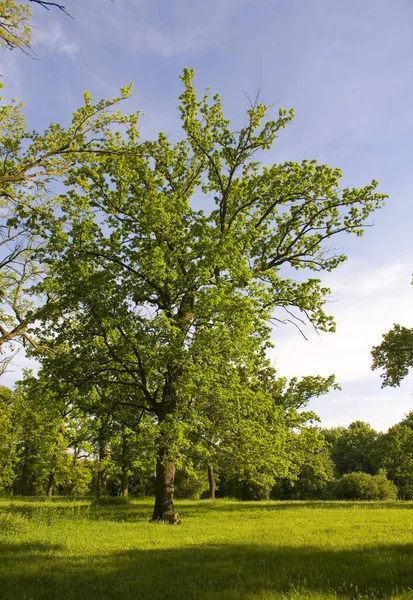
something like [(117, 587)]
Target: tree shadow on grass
[(214, 572), (9, 550), (52, 513)]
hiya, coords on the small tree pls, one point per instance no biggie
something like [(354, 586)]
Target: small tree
[(315, 478), (394, 355)]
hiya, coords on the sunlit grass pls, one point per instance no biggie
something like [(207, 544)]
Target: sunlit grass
[(70, 549)]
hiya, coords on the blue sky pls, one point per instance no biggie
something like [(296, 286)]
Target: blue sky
[(346, 68)]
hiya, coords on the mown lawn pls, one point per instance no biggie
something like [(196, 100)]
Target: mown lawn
[(64, 549)]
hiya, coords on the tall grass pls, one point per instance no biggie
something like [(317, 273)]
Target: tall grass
[(74, 550)]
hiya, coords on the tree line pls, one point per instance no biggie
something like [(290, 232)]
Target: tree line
[(67, 445)]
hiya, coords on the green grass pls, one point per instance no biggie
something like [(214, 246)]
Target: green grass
[(73, 550)]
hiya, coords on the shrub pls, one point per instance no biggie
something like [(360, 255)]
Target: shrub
[(387, 489), (356, 486), (362, 486)]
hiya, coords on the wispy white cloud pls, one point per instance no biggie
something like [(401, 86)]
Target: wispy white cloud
[(181, 27), (366, 302), (171, 43), (51, 36), (381, 409)]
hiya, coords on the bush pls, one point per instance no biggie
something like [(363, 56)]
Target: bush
[(356, 486), (362, 486), (387, 489)]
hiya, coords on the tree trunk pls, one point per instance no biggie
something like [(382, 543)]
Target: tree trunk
[(52, 472), (101, 476), (165, 468), (211, 481), (76, 452), (125, 460), (25, 487), (50, 482), (124, 483), (164, 486)]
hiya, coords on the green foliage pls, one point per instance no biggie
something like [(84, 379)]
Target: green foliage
[(354, 449), (394, 355), (362, 486), (387, 490), (80, 481), (244, 489), (41, 452), (356, 486), (315, 477), (15, 31), (190, 485), (40, 437), (397, 456), (31, 163), (9, 437)]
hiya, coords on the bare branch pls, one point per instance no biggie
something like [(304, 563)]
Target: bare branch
[(47, 6)]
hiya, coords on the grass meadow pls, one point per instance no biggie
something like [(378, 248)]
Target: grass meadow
[(72, 550)]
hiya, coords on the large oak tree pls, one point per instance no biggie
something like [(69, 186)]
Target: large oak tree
[(172, 260)]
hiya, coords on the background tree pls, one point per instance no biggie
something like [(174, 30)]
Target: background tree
[(356, 449), (42, 458), (250, 470), (29, 163), (394, 355), (53, 439), (397, 456), (9, 438), (313, 481)]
